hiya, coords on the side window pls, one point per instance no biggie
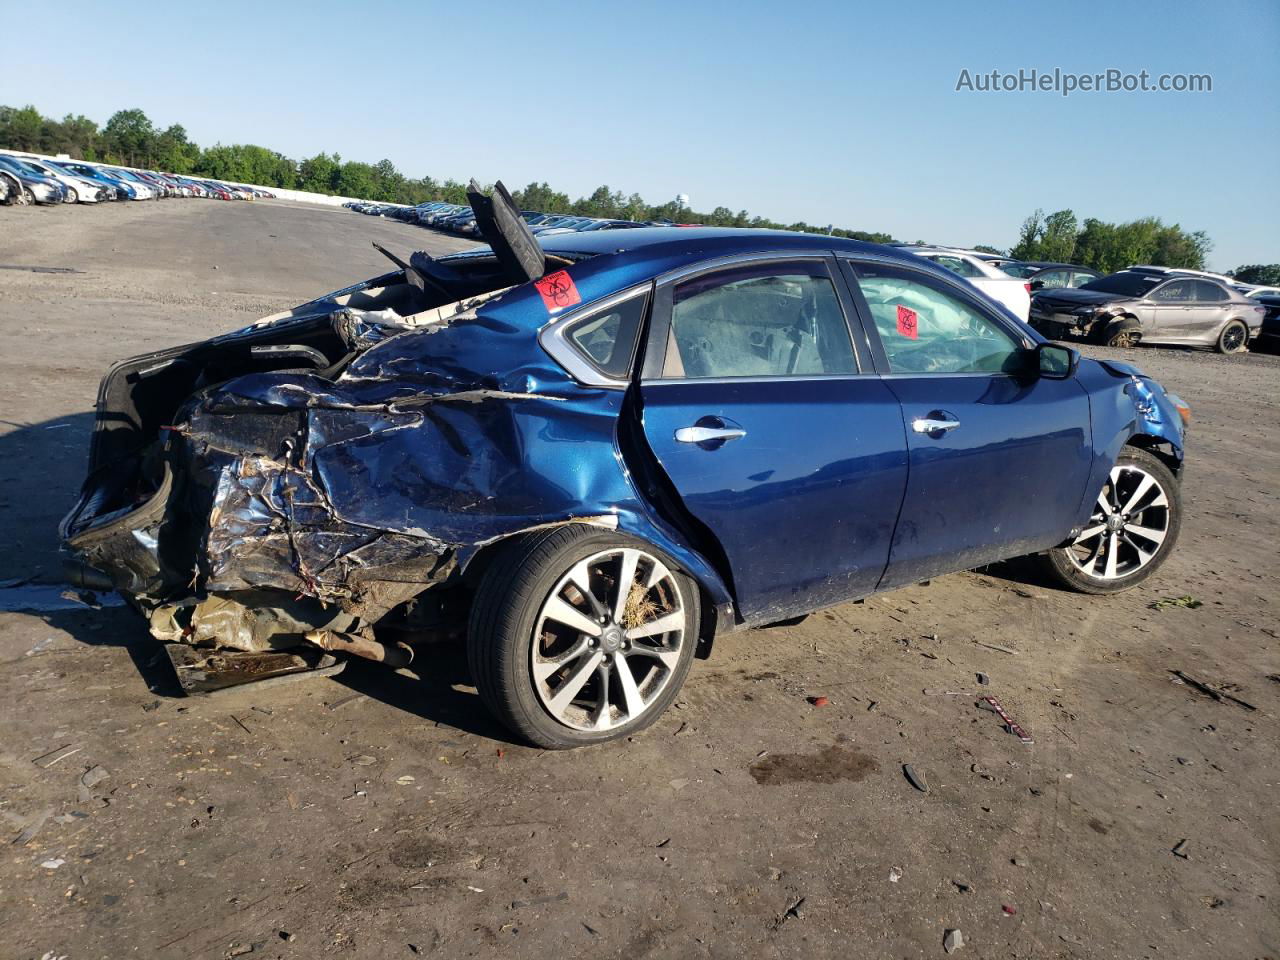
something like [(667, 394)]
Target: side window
[(761, 320), (957, 265), (1053, 278), (1207, 292), (927, 329), (1176, 291), (1079, 279), (608, 338)]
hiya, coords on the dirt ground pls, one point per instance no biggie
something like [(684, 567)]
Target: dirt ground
[(381, 814)]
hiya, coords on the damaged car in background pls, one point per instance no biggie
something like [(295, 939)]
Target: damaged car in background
[(599, 453)]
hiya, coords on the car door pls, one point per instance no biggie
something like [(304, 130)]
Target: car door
[(1176, 310), (1207, 313), (998, 456), (776, 434)]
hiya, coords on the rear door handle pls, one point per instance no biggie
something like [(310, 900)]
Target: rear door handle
[(705, 434), (929, 425)]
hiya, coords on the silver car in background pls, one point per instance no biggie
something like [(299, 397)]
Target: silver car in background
[(1151, 305)]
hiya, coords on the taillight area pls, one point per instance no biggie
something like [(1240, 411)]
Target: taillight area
[(1027, 286)]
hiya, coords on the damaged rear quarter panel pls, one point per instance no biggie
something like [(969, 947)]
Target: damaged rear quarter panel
[(430, 444)]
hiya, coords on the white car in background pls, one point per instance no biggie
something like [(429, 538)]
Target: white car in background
[(1256, 290), (79, 190), (1013, 292)]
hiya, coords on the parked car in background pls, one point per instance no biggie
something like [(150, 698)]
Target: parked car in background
[(1257, 290), (1152, 305), (34, 187), (79, 189), (119, 188), (1043, 274), (1269, 332), (1012, 292), (10, 189), (142, 190), (586, 456)]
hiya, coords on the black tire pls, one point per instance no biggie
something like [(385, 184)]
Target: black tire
[(28, 197), (1122, 334), (1234, 338), (73, 194), (506, 610), (1070, 572)]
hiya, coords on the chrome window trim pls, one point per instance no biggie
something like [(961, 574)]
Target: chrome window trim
[(553, 339), (764, 378), (707, 266)]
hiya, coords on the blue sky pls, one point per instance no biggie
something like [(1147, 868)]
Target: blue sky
[(828, 112)]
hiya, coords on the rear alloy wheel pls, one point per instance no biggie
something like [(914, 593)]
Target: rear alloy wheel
[(1131, 531), (580, 636), (1233, 338)]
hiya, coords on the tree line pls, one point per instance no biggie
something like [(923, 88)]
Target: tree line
[(129, 137)]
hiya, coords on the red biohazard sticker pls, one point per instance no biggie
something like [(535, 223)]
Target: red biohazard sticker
[(557, 290), (907, 323)]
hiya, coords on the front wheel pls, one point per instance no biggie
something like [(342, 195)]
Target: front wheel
[(579, 635), (1131, 532), (1233, 338), (1123, 334)]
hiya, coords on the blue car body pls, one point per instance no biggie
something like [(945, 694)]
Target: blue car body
[(98, 175), (325, 459)]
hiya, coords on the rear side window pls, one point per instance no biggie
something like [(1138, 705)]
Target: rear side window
[(762, 320), (1210, 292), (608, 339), (926, 329)]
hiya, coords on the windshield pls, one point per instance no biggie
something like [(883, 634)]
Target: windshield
[(1125, 284)]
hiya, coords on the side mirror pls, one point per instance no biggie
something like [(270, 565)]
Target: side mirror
[(1056, 362)]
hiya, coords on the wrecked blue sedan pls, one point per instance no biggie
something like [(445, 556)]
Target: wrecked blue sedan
[(600, 452)]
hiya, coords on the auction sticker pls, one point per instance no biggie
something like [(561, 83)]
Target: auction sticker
[(906, 323), (558, 291)]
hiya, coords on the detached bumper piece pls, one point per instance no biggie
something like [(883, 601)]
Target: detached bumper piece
[(203, 670)]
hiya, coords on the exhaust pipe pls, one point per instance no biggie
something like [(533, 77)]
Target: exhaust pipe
[(394, 655)]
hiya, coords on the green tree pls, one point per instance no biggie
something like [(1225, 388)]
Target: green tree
[(1264, 274), (985, 248), (130, 135), (355, 180), (174, 152), (318, 174), (21, 129)]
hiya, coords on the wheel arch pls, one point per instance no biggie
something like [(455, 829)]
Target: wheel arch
[(1159, 447), (716, 609)]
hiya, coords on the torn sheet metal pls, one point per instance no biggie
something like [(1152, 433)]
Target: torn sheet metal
[(242, 501)]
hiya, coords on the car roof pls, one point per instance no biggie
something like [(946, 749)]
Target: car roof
[(715, 241)]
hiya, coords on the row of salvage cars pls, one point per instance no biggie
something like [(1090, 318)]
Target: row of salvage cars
[(461, 219), (1141, 304), (39, 180), (591, 455)]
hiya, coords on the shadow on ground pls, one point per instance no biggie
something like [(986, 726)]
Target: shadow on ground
[(41, 468)]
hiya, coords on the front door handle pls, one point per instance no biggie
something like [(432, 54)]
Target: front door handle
[(705, 434), (929, 425)]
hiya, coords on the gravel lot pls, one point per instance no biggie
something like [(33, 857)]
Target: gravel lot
[(385, 815)]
